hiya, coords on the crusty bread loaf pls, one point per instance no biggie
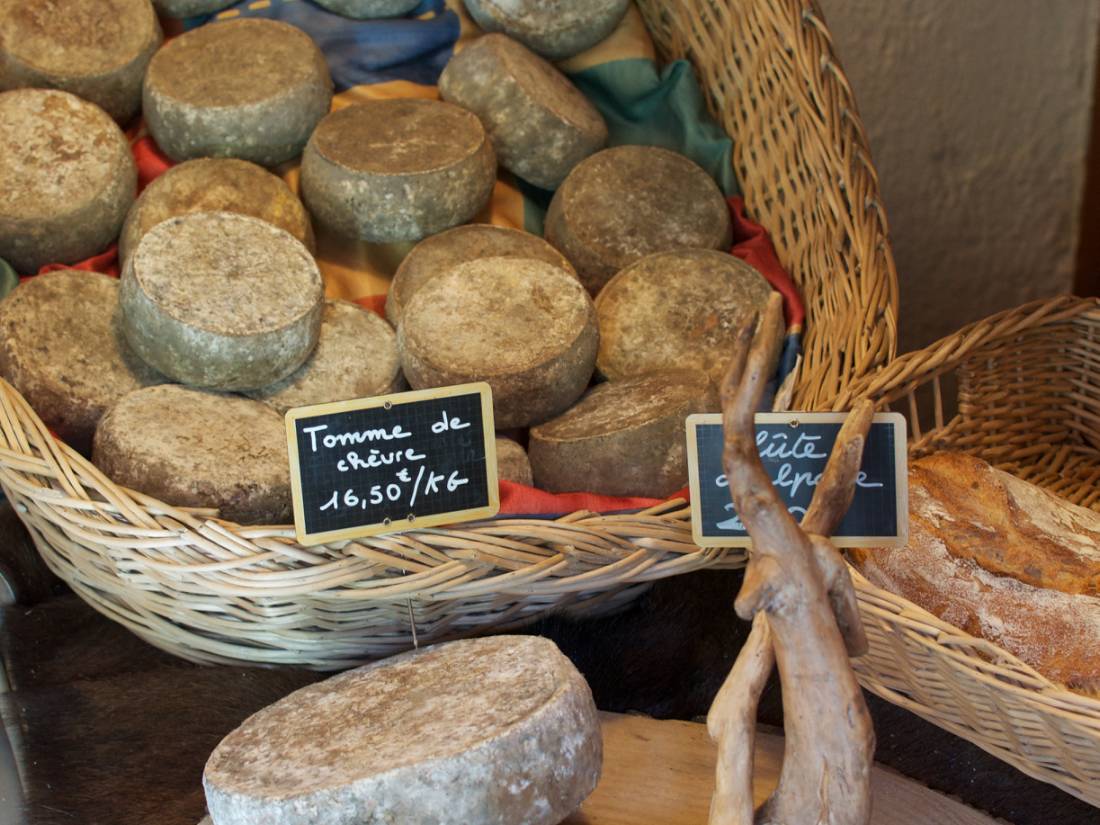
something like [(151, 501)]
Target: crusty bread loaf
[(1001, 559)]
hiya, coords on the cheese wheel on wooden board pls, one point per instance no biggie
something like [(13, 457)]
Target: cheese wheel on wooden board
[(249, 88), (223, 301), (62, 348), (496, 731), (439, 253), (524, 326), (355, 357), (96, 49), (369, 9), (681, 309), (190, 8), (627, 202), (624, 438), (191, 448), (540, 123), (66, 179), (555, 30), (397, 170), (215, 185), (512, 462)]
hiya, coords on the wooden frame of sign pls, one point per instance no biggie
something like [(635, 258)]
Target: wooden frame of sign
[(390, 493), (806, 479)]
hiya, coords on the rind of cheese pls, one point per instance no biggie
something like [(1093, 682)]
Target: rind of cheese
[(555, 30)]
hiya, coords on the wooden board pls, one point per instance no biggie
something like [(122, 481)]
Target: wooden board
[(662, 773)]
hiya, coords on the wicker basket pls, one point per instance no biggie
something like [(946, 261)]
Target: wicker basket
[(1028, 398), (218, 592)]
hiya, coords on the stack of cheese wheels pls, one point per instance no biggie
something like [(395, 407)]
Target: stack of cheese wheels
[(498, 730)]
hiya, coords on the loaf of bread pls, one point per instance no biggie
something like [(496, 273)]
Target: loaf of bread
[(1003, 560)]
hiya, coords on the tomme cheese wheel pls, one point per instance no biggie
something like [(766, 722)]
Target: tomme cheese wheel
[(96, 49), (643, 329), (555, 30), (624, 438), (249, 88), (190, 8), (366, 9), (524, 326), (66, 178), (512, 462), (356, 357), (540, 124), (191, 448), (212, 185), (397, 170), (495, 731), (439, 253), (61, 347), (220, 300), (627, 202)]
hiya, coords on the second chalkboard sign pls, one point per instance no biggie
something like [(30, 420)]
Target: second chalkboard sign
[(393, 462)]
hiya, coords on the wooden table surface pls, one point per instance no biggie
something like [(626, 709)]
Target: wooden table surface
[(662, 773)]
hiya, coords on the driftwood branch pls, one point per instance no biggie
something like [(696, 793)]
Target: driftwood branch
[(798, 593)]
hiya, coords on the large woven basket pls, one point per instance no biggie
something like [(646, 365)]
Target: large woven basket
[(1027, 388), (218, 592)]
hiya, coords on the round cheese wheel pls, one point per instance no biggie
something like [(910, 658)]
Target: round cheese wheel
[(495, 731), (223, 301), (677, 309), (66, 179), (397, 170), (512, 462), (367, 9), (627, 202), (524, 326), (439, 253), (61, 347), (356, 357), (215, 185), (190, 8), (96, 49), (247, 88), (191, 448), (555, 30), (540, 124), (624, 438)]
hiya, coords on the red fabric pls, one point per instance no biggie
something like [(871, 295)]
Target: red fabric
[(753, 246), (105, 262), (375, 303), (518, 499), (151, 162)]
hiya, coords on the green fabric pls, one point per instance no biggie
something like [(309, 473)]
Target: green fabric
[(645, 107), (8, 279)]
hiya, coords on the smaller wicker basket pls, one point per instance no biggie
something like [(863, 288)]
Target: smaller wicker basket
[(1027, 387)]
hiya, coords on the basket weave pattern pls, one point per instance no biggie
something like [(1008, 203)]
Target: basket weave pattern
[(1028, 398), (214, 591)]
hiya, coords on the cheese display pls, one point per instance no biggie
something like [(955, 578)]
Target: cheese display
[(355, 357), (367, 9), (191, 448), (190, 8), (641, 330), (555, 30), (624, 438), (249, 89), (96, 49), (525, 326), (512, 462), (397, 170), (439, 253), (496, 731), (540, 124), (220, 300), (215, 185), (1003, 560), (66, 178), (61, 347), (627, 202)]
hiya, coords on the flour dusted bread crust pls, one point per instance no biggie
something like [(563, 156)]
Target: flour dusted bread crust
[(1001, 559), (496, 731), (192, 448)]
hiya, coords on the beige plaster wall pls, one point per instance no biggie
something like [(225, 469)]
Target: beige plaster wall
[(978, 115)]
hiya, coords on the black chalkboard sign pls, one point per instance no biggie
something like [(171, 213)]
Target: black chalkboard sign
[(393, 462), (794, 448)]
